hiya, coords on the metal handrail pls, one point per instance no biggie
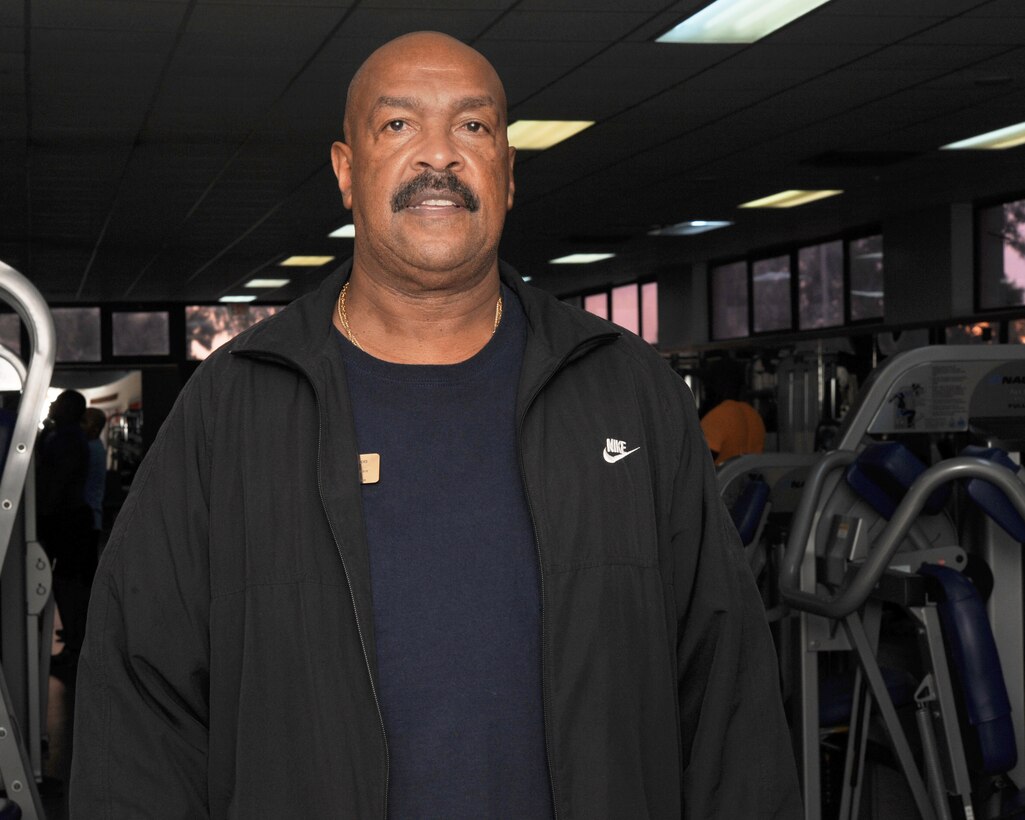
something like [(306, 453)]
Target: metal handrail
[(853, 596), (23, 296)]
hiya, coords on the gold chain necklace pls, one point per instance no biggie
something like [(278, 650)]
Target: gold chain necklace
[(343, 317)]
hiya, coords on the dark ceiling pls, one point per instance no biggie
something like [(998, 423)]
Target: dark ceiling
[(171, 150)]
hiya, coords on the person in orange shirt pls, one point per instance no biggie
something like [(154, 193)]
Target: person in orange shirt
[(733, 428)]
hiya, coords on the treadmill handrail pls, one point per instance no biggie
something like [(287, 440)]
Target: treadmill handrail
[(23, 296), (853, 596)]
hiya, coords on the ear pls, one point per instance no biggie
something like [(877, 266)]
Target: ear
[(341, 160), (512, 179)]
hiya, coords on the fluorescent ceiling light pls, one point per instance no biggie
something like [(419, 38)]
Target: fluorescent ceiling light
[(527, 278), (788, 199), (738, 21), (690, 228), (267, 283), (581, 258), (305, 261), (249, 298), (536, 135), (1007, 137), (344, 232)]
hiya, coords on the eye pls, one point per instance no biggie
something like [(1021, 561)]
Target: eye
[(396, 125), (476, 127)]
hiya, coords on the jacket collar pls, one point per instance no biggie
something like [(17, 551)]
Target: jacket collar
[(303, 330)]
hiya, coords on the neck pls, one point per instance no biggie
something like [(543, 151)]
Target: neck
[(422, 324)]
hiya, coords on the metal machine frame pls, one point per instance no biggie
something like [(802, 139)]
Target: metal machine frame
[(18, 767)]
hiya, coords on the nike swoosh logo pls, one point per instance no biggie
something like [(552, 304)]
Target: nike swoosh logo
[(612, 459)]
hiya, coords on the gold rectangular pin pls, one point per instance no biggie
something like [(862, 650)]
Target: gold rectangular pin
[(370, 467)]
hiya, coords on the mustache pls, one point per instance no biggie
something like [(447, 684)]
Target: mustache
[(434, 181)]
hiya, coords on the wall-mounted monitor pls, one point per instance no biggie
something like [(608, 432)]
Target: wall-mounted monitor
[(78, 334), (207, 327), (729, 301), (1001, 264), (140, 333), (770, 285)]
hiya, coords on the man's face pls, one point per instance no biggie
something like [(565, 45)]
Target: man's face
[(427, 170)]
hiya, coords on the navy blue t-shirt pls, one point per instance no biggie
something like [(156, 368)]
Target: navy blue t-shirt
[(454, 575)]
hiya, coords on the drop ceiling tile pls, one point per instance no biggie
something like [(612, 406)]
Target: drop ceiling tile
[(108, 14), (375, 26), (12, 39), (887, 8), (999, 8), (565, 26), (852, 29), (965, 31)]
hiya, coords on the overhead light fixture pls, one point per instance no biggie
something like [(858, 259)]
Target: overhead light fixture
[(537, 135), (527, 278), (694, 226), (267, 283), (580, 258), (738, 21), (997, 140), (788, 199), (305, 261), (249, 298), (344, 232)]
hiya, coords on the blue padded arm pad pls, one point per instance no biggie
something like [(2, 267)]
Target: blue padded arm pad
[(992, 501), (748, 509), (970, 644), (882, 474)]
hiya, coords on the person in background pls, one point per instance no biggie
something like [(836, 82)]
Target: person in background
[(65, 521), (429, 542), (96, 480), (733, 427)]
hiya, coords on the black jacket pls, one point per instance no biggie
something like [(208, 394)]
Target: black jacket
[(229, 667)]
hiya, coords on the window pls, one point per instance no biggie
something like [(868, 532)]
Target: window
[(207, 327), (729, 301), (1016, 332), (626, 307), (980, 333), (820, 285), (598, 304), (770, 283), (1001, 268), (142, 333), (649, 312), (866, 297), (78, 334)]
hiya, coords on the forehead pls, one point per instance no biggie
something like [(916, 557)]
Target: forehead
[(427, 76)]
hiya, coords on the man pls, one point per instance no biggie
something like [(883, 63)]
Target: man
[(487, 574), (65, 521)]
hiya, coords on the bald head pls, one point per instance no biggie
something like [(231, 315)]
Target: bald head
[(422, 49)]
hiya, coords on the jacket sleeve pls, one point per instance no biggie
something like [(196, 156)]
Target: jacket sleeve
[(736, 751), (142, 692)]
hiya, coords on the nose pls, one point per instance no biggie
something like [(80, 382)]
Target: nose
[(437, 150)]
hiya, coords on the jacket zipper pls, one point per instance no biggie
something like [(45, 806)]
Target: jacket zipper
[(579, 349), (338, 548), (355, 612)]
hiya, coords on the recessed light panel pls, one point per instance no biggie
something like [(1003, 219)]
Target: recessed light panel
[(536, 135), (788, 199), (694, 226), (581, 258), (267, 283), (738, 21), (997, 140), (249, 298), (344, 232), (305, 261)]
